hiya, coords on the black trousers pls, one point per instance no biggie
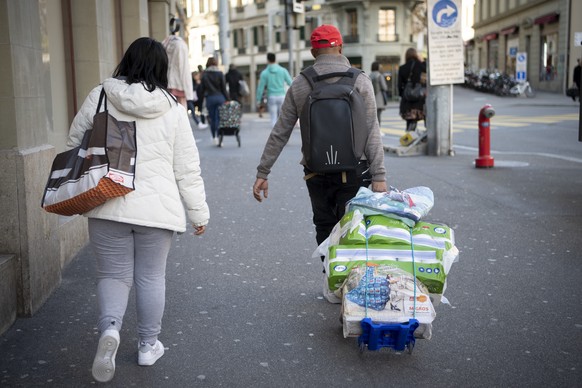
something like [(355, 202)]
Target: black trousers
[(329, 194)]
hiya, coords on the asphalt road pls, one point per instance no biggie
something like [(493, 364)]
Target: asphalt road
[(244, 304)]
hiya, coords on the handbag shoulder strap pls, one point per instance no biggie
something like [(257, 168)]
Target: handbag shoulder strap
[(411, 69), (102, 99)]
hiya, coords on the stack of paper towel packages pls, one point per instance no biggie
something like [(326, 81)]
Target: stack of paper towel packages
[(376, 251)]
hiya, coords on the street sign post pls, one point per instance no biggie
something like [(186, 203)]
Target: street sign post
[(445, 42), (445, 67), (521, 67)]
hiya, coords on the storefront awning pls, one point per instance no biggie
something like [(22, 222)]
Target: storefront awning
[(490, 36), (509, 30), (546, 19)]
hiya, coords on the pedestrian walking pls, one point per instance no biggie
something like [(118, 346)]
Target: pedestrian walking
[(576, 78), (380, 89), (179, 75), (214, 89), (273, 79), (131, 235), (415, 70), (328, 192), (263, 104), (198, 103), (233, 78)]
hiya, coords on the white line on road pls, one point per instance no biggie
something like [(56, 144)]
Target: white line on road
[(567, 158)]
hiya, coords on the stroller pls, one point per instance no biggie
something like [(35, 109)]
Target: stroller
[(229, 123)]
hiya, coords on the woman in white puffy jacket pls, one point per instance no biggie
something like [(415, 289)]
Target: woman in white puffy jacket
[(131, 235)]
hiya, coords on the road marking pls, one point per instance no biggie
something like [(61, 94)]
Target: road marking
[(543, 154), (462, 121)]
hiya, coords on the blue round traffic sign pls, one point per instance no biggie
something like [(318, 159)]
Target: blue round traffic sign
[(445, 13)]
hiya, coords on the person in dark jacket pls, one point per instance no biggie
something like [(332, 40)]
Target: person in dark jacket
[(414, 68), (233, 78), (577, 79), (214, 87)]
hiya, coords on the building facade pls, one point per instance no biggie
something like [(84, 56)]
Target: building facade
[(372, 30), (543, 29)]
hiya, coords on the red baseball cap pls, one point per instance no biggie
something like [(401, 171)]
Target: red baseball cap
[(326, 36)]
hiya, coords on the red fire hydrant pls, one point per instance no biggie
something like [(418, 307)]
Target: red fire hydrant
[(484, 159)]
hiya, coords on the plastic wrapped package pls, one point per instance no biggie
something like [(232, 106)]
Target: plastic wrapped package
[(386, 294), (388, 231), (409, 205), (430, 265)]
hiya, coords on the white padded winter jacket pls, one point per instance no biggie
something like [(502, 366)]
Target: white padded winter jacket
[(167, 165)]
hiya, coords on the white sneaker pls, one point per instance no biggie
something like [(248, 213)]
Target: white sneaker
[(104, 362), (148, 354), (215, 140), (202, 126)]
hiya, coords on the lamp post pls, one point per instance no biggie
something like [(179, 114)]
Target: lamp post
[(289, 27), (224, 31)]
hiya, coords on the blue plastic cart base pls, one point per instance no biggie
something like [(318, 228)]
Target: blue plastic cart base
[(397, 336)]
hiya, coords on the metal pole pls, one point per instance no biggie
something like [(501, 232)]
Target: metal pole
[(288, 15), (223, 34), (451, 150)]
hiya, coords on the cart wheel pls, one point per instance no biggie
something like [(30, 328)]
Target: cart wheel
[(362, 347), (410, 347)]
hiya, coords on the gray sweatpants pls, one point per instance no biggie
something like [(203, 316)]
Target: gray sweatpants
[(130, 254)]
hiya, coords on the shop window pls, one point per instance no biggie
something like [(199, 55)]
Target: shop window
[(493, 54), (549, 60)]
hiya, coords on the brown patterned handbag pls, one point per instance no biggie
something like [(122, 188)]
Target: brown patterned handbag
[(101, 168)]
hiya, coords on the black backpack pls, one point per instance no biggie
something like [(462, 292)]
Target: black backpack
[(333, 122)]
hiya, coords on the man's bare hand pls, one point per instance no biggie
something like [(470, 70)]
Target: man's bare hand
[(260, 185), (379, 187)]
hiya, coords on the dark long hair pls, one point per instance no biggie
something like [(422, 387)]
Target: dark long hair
[(145, 61), (410, 55)]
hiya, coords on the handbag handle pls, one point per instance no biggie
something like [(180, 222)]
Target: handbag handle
[(102, 98)]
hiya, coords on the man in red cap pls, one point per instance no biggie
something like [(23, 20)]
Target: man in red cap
[(328, 192)]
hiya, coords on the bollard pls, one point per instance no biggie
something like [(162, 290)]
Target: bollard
[(485, 159)]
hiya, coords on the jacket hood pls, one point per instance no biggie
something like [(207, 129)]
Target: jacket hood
[(135, 100)]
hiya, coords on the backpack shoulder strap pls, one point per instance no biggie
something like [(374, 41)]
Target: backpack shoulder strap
[(351, 79), (347, 77), (310, 75)]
